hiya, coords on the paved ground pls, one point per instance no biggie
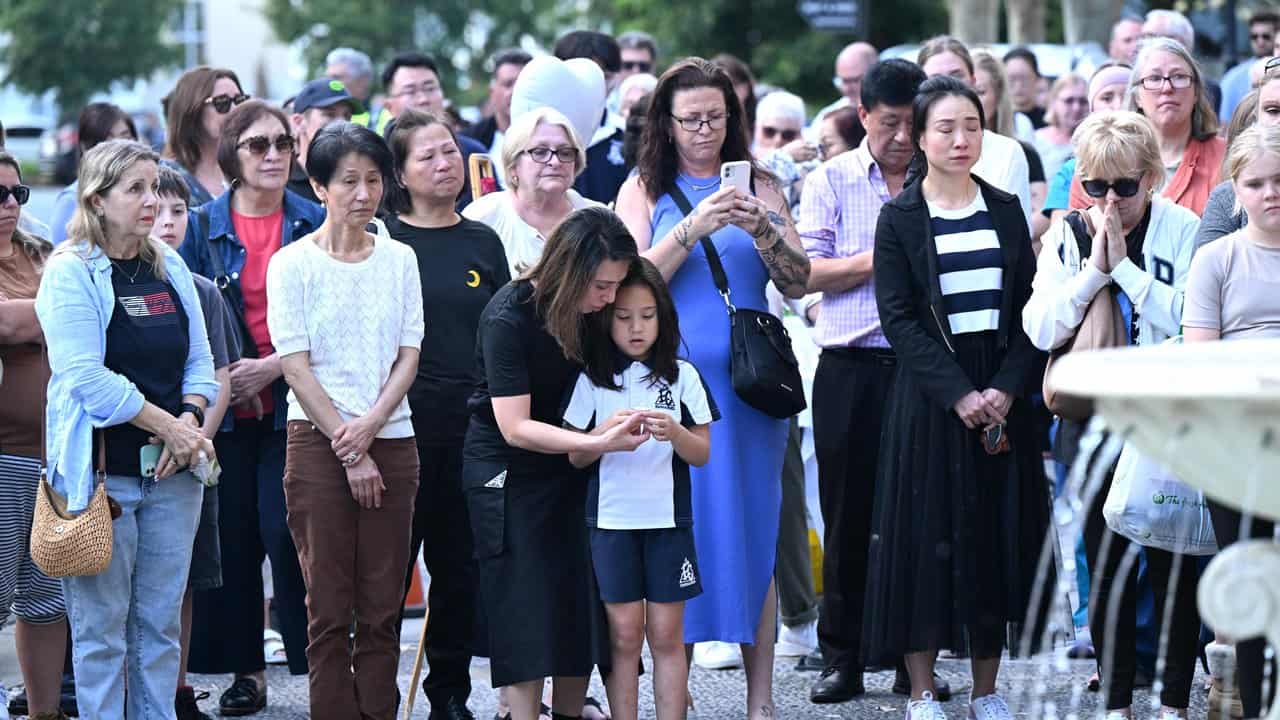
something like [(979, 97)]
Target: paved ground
[(721, 693)]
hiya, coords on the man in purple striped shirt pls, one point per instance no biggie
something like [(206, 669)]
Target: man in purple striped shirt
[(838, 211)]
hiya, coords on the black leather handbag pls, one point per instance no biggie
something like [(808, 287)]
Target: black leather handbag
[(764, 369)]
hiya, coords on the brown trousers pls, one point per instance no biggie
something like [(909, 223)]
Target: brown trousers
[(353, 562)]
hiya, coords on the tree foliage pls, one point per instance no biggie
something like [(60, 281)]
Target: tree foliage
[(79, 48)]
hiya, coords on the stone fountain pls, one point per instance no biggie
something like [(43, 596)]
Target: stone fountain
[(1211, 413)]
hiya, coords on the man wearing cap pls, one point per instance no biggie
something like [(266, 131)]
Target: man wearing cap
[(319, 103)]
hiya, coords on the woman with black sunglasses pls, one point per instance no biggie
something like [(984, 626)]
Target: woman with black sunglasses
[(230, 241), (195, 110), (1137, 244)]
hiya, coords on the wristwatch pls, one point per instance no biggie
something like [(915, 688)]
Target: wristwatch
[(194, 410)]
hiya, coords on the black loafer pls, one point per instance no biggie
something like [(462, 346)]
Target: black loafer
[(186, 704), (244, 697), (454, 709), (836, 685), (941, 688)]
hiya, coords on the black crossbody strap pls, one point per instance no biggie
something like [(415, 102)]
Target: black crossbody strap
[(718, 275)]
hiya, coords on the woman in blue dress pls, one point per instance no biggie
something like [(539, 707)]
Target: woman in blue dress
[(695, 123)]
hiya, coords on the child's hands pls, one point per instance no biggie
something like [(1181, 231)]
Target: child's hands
[(661, 425), (615, 419)]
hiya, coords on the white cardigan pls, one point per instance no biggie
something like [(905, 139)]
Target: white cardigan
[(1062, 289)]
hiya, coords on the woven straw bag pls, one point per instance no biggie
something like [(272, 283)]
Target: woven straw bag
[(65, 544)]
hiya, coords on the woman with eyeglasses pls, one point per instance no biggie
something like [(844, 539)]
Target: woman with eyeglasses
[(541, 155), (676, 208), (194, 113), (230, 241), (1137, 244), (36, 600), (99, 122), (1166, 86), (1222, 214), (1068, 107)]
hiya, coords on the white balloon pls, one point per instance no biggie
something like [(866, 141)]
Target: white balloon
[(574, 87)]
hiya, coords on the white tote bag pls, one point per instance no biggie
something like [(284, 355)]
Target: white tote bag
[(1151, 507)]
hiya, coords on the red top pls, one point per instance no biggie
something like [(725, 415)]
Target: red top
[(260, 237)]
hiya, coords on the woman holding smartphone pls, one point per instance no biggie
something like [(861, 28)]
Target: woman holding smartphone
[(961, 500), (695, 125), (129, 354)]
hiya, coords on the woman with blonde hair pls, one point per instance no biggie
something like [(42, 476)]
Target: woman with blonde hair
[(131, 369), (542, 155), (1167, 86), (1138, 245), (1068, 107)]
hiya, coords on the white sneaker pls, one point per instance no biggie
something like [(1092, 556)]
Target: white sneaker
[(1170, 715), (4, 702), (797, 641), (717, 655), (926, 708), (1113, 715), (989, 707)]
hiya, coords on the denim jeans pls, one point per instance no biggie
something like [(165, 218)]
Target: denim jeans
[(129, 614)]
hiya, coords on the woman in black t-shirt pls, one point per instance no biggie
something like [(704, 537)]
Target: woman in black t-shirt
[(526, 501), (461, 264)]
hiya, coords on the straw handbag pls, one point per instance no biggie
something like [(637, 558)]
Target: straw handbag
[(65, 544)]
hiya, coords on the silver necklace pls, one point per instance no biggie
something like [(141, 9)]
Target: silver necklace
[(124, 272), (699, 188)]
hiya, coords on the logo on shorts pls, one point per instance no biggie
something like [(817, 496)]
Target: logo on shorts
[(664, 401), (687, 578), (498, 482)]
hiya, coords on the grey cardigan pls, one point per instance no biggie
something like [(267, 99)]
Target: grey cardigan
[(1220, 215)]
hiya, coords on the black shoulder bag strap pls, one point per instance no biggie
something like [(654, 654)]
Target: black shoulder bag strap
[(230, 291), (718, 275)]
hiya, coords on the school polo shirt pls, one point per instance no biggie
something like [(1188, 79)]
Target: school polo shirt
[(649, 487)]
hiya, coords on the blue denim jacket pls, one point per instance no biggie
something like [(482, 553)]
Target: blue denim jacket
[(301, 217), (74, 304)]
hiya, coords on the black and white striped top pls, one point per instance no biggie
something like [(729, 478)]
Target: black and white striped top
[(970, 266)]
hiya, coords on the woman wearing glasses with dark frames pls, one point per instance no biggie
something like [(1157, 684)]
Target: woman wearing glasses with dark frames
[(541, 156), (1138, 245), (195, 110), (230, 241), (1166, 86)]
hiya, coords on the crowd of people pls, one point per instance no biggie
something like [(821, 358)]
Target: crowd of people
[(526, 377)]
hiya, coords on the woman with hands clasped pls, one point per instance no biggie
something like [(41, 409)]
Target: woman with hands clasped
[(1137, 245), (345, 313), (131, 369), (961, 503)]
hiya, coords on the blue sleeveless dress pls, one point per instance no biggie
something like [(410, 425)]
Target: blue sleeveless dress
[(737, 495)]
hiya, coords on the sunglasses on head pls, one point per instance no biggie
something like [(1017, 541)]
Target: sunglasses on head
[(787, 135), (259, 144), (636, 66), (1124, 187), (224, 103), (21, 193)]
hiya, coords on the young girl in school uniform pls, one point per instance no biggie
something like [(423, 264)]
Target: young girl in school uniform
[(638, 503)]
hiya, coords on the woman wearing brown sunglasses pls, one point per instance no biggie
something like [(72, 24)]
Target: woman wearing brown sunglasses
[(195, 110), (230, 241)]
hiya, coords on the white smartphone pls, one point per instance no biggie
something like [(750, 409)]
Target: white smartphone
[(736, 174)]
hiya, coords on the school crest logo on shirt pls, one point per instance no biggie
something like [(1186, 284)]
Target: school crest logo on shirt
[(687, 577), (664, 401), (615, 152)]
